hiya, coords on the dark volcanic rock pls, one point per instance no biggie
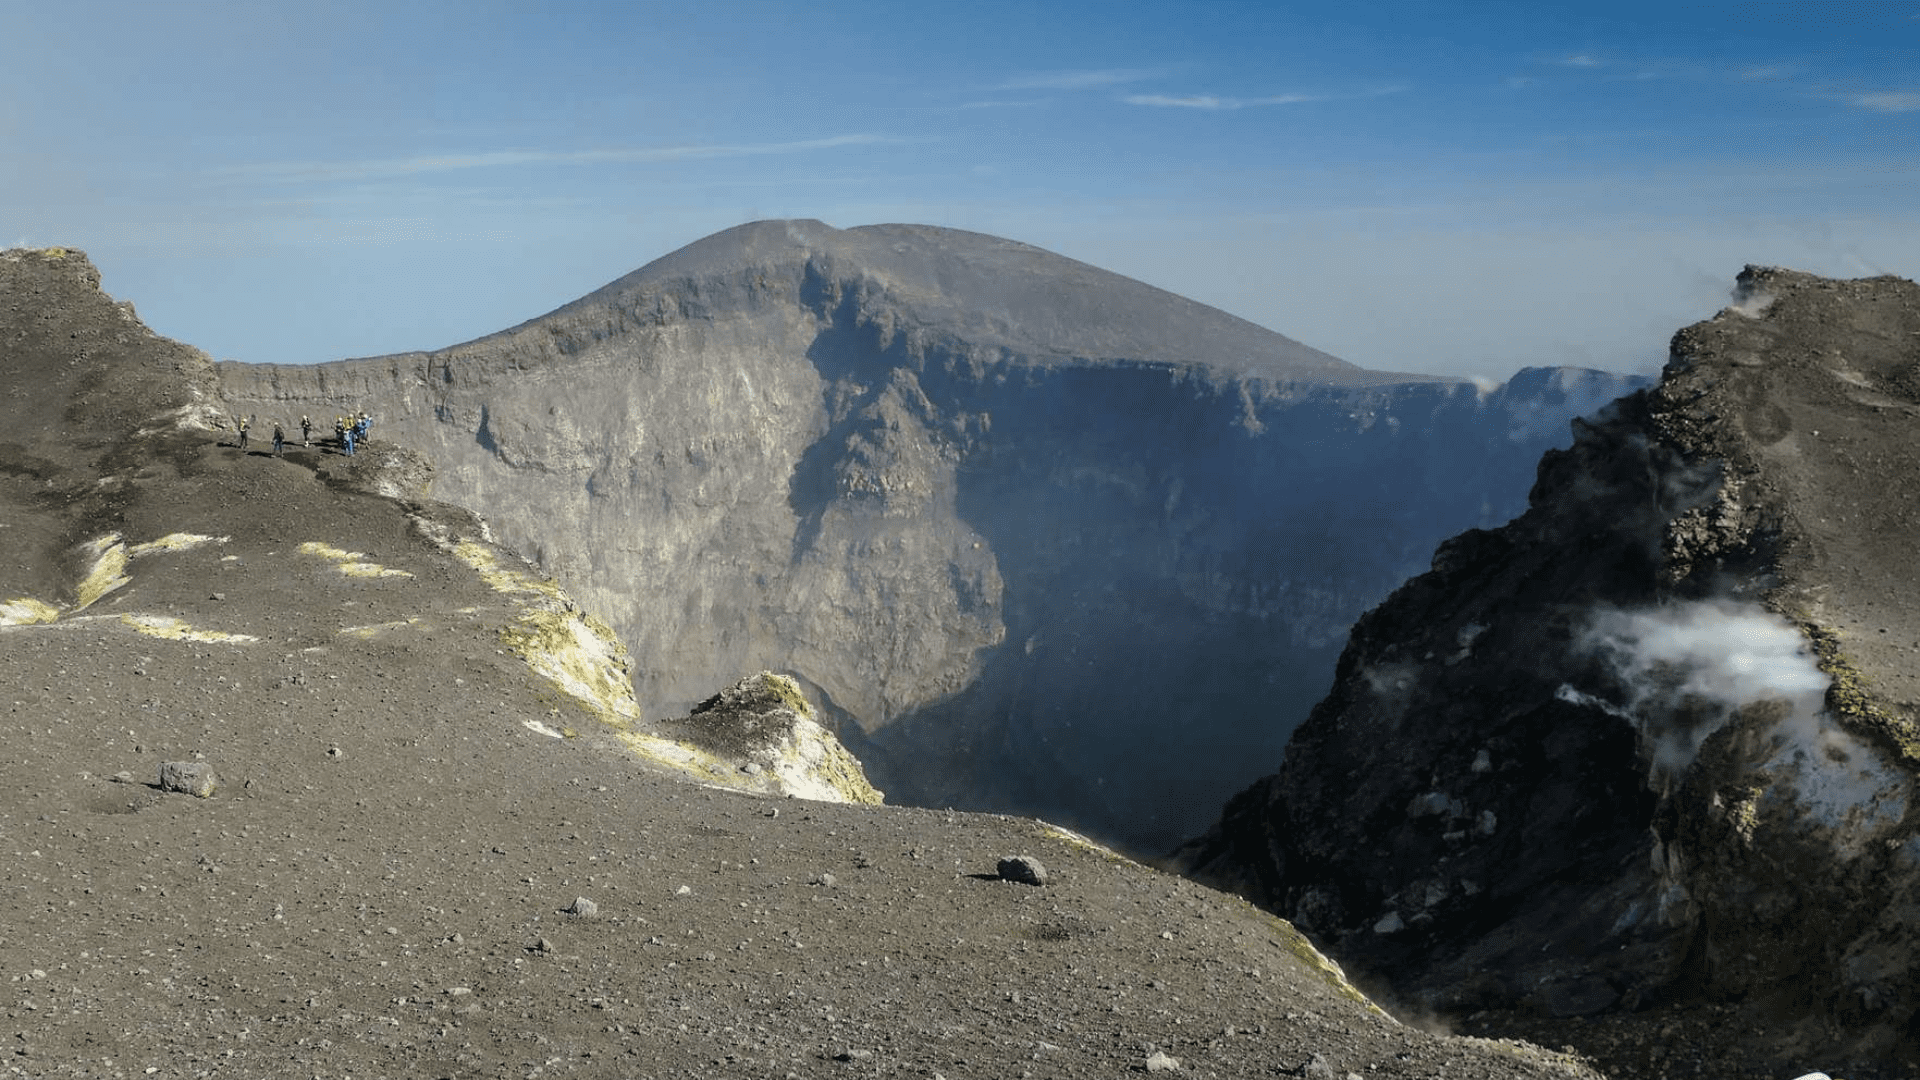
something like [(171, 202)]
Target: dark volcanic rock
[(1035, 536), (420, 771), (1024, 869), (1652, 745)]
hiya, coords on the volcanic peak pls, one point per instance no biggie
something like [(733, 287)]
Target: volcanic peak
[(957, 286)]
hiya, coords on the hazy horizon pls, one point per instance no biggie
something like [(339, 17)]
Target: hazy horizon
[(1447, 188)]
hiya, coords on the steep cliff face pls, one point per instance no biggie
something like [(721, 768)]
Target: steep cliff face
[(1037, 537), (1653, 743)]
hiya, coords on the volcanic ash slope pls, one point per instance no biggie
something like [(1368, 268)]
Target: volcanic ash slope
[(1652, 746), (1037, 536)]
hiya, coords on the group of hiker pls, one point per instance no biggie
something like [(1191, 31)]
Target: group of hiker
[(349, 432)]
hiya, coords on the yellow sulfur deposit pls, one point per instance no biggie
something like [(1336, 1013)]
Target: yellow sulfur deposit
[(503, 578), (164, 626), (175, 542), (350, 563), (106, 570), (27, 611)]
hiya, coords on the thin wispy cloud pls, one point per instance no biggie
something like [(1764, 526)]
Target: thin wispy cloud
[(1085, 79), (1218, 103), (441, 163), (1646, 68), (1889, 101), (1211, 102)]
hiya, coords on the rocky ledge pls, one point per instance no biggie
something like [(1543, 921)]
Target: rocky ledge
[(1650, 749)]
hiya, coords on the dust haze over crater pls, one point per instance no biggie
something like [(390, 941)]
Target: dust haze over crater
[(1042, 538)]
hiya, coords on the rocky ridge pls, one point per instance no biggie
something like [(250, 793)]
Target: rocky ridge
[(572, 651), (406, 866), (1647, 754), (1036, 537)]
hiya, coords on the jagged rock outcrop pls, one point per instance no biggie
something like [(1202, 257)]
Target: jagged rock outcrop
[(1035, 536), (762, 735), (1654, 742)]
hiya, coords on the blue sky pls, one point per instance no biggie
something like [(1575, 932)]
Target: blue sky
[(1463, 188)]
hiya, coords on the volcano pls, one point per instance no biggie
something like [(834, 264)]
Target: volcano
[(1038, 538)]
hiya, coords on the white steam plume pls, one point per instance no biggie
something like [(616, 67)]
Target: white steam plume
[(1688, 667), (1751, 304)]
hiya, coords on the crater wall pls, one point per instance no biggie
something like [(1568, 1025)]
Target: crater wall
[(1096, 575)]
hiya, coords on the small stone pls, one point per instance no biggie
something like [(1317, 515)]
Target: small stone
[(583, 907), (192, 777), (1391, 924), (1160, 1062), (752, 768), (1319, 1068), (219, 596), (1024, 869), (684, 890), (827, 880), (457, 991), (853, 1055), (1483, 762), (543, 946), (335, 752), (1487, 824)]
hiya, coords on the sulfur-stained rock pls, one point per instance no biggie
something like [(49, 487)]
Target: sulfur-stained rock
[(760, 735)]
